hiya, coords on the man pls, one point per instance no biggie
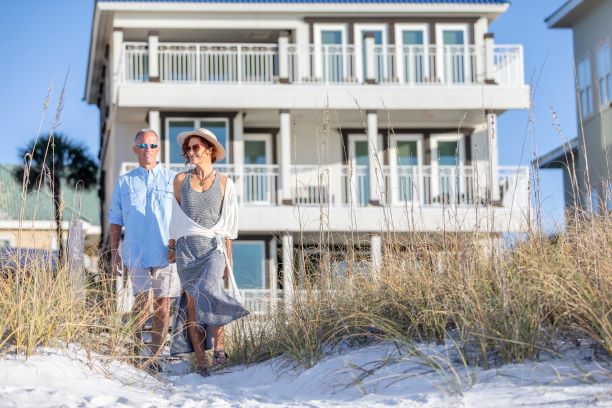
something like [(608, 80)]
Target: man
[(142, 204)]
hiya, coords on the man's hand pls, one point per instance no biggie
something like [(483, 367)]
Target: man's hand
[(171, 255), (117, 265)]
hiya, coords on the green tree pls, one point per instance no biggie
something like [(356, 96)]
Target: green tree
[(57, 159)]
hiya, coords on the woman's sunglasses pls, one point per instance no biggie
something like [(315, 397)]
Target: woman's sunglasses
[(195, 148), (145, 145)]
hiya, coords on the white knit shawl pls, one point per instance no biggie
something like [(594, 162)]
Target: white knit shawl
[(226, 228)]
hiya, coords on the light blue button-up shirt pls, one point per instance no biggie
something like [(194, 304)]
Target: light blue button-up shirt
[(142, 203)]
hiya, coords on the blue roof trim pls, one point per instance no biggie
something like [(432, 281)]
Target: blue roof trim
[(315, 1)]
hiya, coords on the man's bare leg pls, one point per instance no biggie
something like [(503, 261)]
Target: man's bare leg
[(161, 321), (140, 315)]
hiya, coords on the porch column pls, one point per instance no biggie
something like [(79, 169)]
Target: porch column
[(489, 43), (395, 196), (302, 41), (376, 253), (492, 156), (238, 154), (287, 268), (283, 57), (370, 73), (374, 160), (153, 56), (116, 51), (154, 123), (273, 265), (285, 157)]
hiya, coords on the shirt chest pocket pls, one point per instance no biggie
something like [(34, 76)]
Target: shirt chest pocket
[(134, 201), (163, 196)]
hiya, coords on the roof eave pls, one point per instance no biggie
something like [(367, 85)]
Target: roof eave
[(559, 157), (92, 55), (565, 15), (247, 7)]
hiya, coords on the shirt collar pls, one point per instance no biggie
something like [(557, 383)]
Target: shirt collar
[(154, 171)]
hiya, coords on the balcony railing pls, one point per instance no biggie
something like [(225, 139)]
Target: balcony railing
[(413, 65), (345, 185)]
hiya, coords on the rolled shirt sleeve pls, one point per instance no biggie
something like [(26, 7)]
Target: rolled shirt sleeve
[(115, 215)]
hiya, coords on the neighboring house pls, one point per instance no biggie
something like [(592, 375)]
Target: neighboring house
[(336, 116), (31, 223), (586, 160)]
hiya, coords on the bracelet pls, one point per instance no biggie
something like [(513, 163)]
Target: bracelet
[(171, 249)]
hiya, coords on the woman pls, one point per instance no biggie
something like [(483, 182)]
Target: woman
[(204, 221)]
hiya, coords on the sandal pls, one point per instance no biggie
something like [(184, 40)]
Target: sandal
[(154, 368), (220, 357), (203, 371)]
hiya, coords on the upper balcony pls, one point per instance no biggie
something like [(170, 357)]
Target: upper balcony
[(462, 77), (215, 63)]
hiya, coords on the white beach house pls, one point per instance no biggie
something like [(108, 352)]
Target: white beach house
[(586, 160), (337, 116)]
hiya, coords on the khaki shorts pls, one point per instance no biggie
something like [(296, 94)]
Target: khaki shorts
[(165, 281)]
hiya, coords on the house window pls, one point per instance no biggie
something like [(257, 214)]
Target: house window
[(330, 58), (604, 75), (249, 262), (174, 126), (585, 87)]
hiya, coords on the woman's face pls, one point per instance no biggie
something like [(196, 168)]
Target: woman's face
[(198, 151)]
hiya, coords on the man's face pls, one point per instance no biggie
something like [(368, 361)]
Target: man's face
[(147, 155)]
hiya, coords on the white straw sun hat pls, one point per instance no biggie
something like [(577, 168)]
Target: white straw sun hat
[(206, 135)]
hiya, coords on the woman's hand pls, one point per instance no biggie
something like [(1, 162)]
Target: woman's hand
[(172, 251)]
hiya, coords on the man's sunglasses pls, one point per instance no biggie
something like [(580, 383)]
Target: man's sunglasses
[(145, 145)]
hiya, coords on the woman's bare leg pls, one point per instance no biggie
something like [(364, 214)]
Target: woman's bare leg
[(195, 333), (218, 333)]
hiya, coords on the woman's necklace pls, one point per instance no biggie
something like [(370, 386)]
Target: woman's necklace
[(203, 180)]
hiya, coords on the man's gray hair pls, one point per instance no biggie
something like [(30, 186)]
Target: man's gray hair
[(142, 132)]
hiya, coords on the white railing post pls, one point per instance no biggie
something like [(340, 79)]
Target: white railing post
[(283, 57), (287, 270), (493, 180), (489, 44), (285, 159), (418, 183), (370, 74), (272, 255), (153, 56), (198, 64), (376, 254), (374, 185), (240, 62), (393, 175), (238, 156)]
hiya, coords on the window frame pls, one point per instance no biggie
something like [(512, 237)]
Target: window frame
[(587, 89), (399, 48), (197, 120), (440, 60), (358, 30), (318, 28), (606, 78)]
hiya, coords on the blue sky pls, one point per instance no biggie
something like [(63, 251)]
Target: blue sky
[(42, 40)]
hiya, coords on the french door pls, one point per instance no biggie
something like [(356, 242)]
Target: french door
[(258, 175)]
